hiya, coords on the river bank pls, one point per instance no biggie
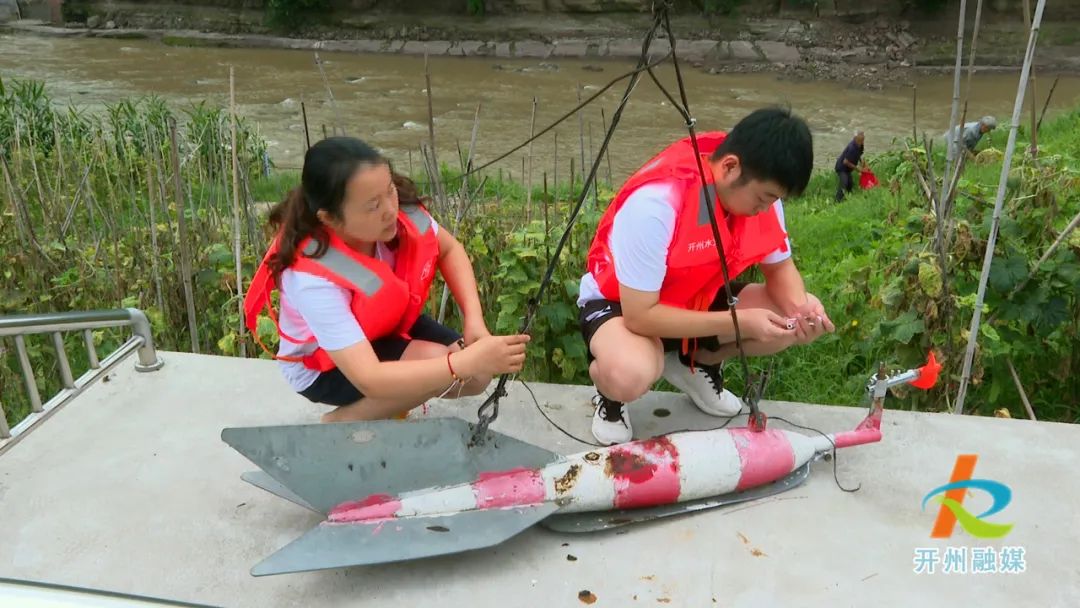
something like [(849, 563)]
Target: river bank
[(871, 54)]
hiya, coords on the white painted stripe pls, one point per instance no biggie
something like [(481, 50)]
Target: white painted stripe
[(591, 490), (709, 464), (440, 501)]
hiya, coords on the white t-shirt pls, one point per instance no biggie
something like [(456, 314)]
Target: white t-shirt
[(312, 306), (641, 236)]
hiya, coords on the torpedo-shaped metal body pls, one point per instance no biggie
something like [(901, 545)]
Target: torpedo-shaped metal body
[(449, 497)]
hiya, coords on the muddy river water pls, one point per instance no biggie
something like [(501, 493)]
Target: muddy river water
[(382, 98)]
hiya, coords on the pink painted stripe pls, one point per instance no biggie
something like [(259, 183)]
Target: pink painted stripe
[(516, 487), (645, 473), (857, 437), (377, 507), (868, 431), (765, 456)]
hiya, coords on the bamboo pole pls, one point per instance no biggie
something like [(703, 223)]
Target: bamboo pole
[(464, 203), (155, 252), (581, 127), (1034, 147), (603, 123), (914, 117), (303, 114), (555, 175), (236, 215), (59, 148), (528, 178), (1018, 107), (1045, 256), (337, 126), (595, 187), (1020, 389), (249, 217), (1046, 105), (971, 53), (74, 204), (953, 139), (22, 220), (440, 192), (185, 255), (948, 189)]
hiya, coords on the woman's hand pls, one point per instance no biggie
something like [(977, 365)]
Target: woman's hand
[(475, 329), (491, 356)]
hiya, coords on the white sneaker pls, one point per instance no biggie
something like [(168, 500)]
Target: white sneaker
[(705, 386), (610, 421)]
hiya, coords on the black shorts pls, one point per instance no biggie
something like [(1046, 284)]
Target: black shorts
[(597, 312), (333, 388)]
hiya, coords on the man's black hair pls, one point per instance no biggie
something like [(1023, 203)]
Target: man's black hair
[(772, 144)]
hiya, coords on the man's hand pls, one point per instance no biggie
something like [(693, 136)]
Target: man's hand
[(811, 321), (765, 325)]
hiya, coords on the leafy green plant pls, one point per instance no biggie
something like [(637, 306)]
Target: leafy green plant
[(287, 14), (719, 7), (102, 232)]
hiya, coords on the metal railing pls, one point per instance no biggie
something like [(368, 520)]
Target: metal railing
[(18, 326)]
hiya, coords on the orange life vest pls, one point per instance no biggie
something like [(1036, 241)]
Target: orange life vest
[(384, 301), (693, 275)]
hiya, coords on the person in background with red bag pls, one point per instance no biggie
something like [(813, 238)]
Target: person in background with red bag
[(353, 259), (850, 160)]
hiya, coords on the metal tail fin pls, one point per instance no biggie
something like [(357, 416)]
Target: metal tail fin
[(325, 465), (332, 545)]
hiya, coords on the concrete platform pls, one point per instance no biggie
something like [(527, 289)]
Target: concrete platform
[(130, 489)]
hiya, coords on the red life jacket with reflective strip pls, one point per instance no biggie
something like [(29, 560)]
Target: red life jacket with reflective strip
[(693, 275), (384, 301)]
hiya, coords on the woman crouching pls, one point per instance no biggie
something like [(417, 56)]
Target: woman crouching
[(353, 260)]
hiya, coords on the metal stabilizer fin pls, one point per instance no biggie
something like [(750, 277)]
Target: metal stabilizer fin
[(325, 465), (337, 545), (595, 521), (261, 480)]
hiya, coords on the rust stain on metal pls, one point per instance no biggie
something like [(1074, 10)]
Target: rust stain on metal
[(592, 456), (626, 464), (586, 596), (663, 600), (566, 483), (649, 577), (745, 541)]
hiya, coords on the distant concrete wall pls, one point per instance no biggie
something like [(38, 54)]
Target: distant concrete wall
[(809, 9)]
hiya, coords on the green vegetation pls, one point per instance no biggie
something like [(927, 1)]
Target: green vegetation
[(291, 14), (475, 7), (91, 220)]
